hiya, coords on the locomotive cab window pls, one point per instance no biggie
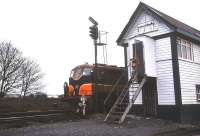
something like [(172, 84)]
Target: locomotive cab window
[(76, 73), (72, 73), (87, 71)]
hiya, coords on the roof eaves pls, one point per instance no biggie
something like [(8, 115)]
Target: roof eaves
[(197, 38), (152, 10), (169, 21), (128, 24)]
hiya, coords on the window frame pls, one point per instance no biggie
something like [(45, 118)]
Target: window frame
[(198, 92), (186, 49), (141, 28), (179, 46)]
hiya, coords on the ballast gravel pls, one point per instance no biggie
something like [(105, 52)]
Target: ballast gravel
[(94, 126)]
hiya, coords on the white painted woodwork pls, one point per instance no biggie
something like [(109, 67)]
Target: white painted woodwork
[(158, 61), (157, 56), (190, 77), (148, 54), (165, 81), (159, 26)]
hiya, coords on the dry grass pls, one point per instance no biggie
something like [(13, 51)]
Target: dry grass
[(29, 104)]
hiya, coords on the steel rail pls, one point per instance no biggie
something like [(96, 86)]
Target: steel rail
[(33, 115)]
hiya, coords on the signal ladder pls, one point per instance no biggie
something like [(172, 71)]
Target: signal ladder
[(125, 100)]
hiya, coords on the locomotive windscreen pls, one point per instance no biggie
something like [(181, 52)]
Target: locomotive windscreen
[(78, 72), (87, 71)]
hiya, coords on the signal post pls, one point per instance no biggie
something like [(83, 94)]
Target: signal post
[(94, 33)]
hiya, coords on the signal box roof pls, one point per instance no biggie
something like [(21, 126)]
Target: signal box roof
[(178, 26)]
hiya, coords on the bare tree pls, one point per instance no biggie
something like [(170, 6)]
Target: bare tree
[(31, 77), (10, 62)]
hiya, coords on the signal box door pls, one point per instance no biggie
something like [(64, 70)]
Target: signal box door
[(138, 55), (149, 97)]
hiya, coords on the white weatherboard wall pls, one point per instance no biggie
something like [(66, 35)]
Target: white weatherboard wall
[(190, 76), (157, 55), (159, 26), (165, 82)]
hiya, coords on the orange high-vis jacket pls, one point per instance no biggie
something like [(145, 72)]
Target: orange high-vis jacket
[(71, 90)]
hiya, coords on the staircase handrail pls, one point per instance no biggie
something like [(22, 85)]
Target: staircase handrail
[(133, 78), (133, 99), (114, 86), (125, 89)]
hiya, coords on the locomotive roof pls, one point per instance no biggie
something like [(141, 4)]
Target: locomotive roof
[(99, 66)]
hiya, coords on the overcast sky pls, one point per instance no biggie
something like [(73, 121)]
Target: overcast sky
[(55, 33)]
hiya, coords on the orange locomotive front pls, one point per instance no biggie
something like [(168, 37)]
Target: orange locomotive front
[(89, 85)]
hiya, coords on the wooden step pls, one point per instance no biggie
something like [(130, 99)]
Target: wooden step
[(133, 86), (116, 113), (121, 107), (119, 110), (122, 104), (125, 100)]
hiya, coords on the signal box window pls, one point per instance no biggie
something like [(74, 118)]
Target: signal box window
[(198, 92), (184, 49), (147, 26)]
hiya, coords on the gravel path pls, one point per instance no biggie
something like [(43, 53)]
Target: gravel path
[(81, 128), (94, 127)]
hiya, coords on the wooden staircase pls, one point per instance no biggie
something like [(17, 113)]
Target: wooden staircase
[(125, 101)]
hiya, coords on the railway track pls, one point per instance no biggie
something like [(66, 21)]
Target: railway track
[(181, 132), (33, 115)]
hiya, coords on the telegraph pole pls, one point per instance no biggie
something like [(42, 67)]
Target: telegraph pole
[(94, 35)]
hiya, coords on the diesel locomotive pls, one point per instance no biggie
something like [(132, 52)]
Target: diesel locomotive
[(89, 86)]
